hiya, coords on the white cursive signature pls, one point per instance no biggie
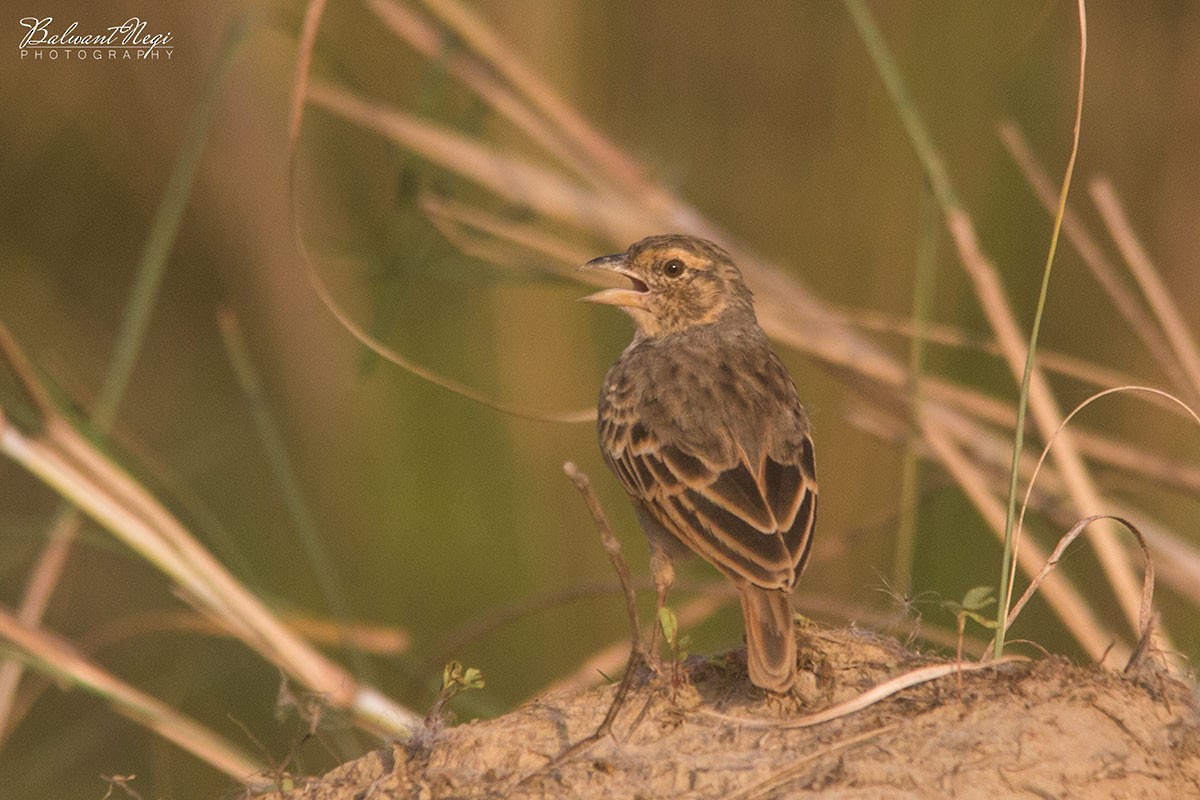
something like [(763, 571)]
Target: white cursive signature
[(130, 33)]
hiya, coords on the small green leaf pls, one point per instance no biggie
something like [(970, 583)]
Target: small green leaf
[(669, 624), (451, 675), (472, 678), (979, 598)]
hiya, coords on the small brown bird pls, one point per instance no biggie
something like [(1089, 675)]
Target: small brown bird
[(701, 424)]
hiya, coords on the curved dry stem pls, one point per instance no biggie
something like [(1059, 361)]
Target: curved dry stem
[(1146, 608), (1007, 599), (1061, 595), (868, 698)]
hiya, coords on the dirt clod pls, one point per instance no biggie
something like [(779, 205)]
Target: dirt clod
[(1035, 729)]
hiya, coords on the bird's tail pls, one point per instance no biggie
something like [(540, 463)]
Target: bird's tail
[(770, 638)]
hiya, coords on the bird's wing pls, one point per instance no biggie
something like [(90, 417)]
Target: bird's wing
[(753, 521)]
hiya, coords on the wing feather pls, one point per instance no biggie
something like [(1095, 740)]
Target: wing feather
[(754, 525)]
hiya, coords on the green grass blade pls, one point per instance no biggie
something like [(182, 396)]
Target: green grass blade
[(315, 550), (926, 271), (163, 230), (1006, 573)]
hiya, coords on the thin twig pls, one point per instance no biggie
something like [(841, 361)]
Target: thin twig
[(612, 547), (637, 653)]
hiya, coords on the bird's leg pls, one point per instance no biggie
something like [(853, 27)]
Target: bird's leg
[(663, 570)]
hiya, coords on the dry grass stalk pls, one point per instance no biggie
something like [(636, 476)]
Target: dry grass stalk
[(38, 591), (1183, 346), (1093, 257), (62, 661), (71, 465), (1082, 370), (1146, 610), (616, 168)]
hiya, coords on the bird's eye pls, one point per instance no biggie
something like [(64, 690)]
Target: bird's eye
[(673, 268)]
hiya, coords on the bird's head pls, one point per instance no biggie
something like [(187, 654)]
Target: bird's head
[(678, 282)]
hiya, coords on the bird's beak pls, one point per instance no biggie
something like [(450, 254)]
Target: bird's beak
[(634, 297)]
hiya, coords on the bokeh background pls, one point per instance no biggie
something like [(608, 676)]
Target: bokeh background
[(435, 511)]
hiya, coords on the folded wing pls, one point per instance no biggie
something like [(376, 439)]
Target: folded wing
[(752, 520)]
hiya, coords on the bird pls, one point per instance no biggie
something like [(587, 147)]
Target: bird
[(701, 424)]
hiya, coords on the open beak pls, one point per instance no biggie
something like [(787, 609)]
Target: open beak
[(634, 297)]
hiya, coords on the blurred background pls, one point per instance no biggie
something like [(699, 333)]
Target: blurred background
[(435, 512)]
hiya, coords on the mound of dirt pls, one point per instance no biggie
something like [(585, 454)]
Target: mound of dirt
[(1043, 729)]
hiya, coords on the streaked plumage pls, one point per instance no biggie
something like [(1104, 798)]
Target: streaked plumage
[(702, 426)]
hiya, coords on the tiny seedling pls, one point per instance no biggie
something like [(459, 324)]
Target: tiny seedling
[(676, 644), (974, 602), (456, 679)]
